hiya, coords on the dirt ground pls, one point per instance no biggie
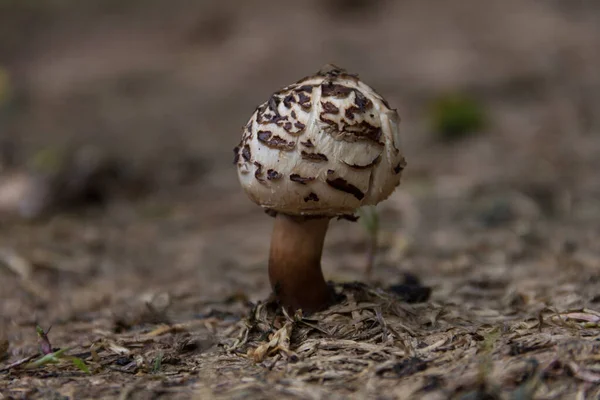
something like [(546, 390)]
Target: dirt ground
[(160, 287)]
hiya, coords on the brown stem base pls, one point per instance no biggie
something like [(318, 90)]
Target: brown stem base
[(295, 263)]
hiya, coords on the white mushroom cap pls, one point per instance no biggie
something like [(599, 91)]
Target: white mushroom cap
[(324, 146)]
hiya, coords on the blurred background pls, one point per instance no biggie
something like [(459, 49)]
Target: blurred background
[(118, 119)]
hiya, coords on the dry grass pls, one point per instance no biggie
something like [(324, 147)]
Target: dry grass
[(163, 296), (371, 344)]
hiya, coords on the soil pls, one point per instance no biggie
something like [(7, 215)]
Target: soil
[(486, 279)]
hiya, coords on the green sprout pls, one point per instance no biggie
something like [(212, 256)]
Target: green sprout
[(455, 116), (486, 350), (157, 365), (5, 86), (55, 358), (45, 346), (48, 356), (4, 344), (369, 218), (49, 160)]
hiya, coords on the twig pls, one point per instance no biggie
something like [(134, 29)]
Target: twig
[(18, 363), (241, 340)]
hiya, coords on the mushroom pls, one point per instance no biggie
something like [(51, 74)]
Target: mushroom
[(317, 149)]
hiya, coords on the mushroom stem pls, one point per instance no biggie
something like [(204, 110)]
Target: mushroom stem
[(295, 263)]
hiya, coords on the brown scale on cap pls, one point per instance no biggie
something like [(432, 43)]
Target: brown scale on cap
[(352, 133), (311, 197), (247, 133), (350, 111), (333, 128), (274, 141), (305, 88), (260, 111), (301, 179), (246, 154), (273, 102), (287, 102), (330, 89), (317, 157), (398, 168), (329, 108), (364, 131), (344, 186), (289, 128), (273, 175), (258, 172), (331, 70), (304, 101), (236, 154), (362, 102)]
